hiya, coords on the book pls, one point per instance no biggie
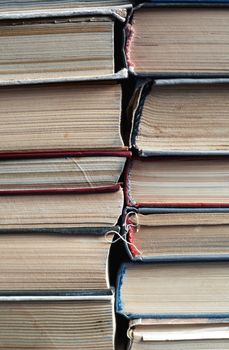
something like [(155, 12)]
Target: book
[(180, 41), (39, 8), (177, 235), (62, 174), (79, 47), (20, 212), (57, 321), (55, 260), (177, 182), (167, 290), (180, 116), (60, 118), (177, 334)]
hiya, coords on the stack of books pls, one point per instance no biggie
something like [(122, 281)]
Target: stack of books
[(62, 155), (64, 85), (175, 291)]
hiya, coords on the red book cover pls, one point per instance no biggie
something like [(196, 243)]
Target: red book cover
[(122, 152)]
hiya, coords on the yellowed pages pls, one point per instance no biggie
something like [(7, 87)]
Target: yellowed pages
[(60, 117), (62, 49), (185, 118), (180, 40), (60, 210), (62, 325)]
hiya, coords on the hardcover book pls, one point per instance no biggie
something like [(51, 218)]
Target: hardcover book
[(69, 210), (177, 182), (180, 116), (51, 8), (178, 334), (179, 41), (79, 174), (78, 47), (55, 259), (60, 118), (174, 290), (188, 234), (57, 321)]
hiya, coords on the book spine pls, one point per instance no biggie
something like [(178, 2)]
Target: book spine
[(82, 190), (147, 85), (128, 199), (66, 153), (74, 231), (30, 13), (119, 303), (129, 40), (181, 205), (181, 3), (131, 238)]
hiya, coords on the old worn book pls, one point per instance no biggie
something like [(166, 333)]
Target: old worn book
[(178, 182), (19, 212), (181, 116), (57, 321), (25, 8), (184, 289), (60, 49), (56, 260), (60, 118), (177, 235), (179, 41), (62, 174), (177, 334)]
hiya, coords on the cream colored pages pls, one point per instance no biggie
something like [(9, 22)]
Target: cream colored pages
[(188, 334), (79, 47), (60, 117), (176, 289), (185, 118), (181, 234), (180, 332), (65, 210), (177, 181), (60, 173), (181, 219), (180, 40), (46, 261), (8, 6), (59, 325)]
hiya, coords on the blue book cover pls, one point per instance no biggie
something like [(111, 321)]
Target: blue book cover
[(174, 290)]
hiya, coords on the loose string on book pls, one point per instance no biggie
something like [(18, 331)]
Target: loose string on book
[(123, 236)]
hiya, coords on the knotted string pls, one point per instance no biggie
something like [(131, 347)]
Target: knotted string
[(123, 236)]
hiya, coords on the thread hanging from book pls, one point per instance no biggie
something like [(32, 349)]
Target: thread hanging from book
[(123, 236)]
